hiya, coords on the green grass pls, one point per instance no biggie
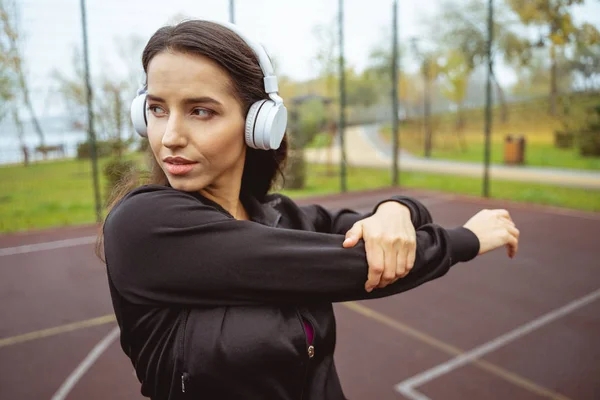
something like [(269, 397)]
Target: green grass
[(48, 194), (60, 193), (320, 140), (320, 182), (530, 120), (536, 154)]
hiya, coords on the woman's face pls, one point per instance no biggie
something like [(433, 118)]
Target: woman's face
[(195, 123)]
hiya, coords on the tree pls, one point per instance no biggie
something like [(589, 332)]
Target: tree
[(326, 61), (534, 78), (113, 111), (361, 90), (111, 105), (12, 49), (8, 82), (72, 90), (454, 73), (129, 50), (307, 117), (464, 28), (558, 30), (430, 71), (586, 66), (379, 73), (585, 62)]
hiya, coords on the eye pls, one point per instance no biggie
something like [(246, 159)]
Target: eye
[(156, 110), (203, 112)]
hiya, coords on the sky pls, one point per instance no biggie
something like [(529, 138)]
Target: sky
[(52, 28)]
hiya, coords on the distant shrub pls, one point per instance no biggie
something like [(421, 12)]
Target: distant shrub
[(104, 148), (589, 136)]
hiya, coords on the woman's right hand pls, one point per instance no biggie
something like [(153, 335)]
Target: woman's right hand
[(494, 228)]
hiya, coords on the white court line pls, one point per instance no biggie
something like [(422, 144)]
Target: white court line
[(407, 387), (59, 244), (85, 365)]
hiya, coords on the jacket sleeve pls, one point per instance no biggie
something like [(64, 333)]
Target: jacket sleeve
[(166, 247), (340, 221)]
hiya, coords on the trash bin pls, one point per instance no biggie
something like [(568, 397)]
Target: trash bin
[(514, 150)]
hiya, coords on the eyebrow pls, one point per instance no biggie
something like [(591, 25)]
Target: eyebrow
[(190, 100)]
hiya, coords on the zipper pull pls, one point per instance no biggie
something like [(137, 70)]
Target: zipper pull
[(311, 351), (183, 379)]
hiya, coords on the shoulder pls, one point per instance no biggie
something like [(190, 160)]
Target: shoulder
[(150, 193), (150, 198), (148, 205)]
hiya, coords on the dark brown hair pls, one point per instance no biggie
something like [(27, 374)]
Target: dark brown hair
[(197, 37)]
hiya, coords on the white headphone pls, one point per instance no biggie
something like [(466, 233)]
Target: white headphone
[(266, 120)]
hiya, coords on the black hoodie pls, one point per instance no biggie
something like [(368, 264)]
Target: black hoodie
[(213, 307)]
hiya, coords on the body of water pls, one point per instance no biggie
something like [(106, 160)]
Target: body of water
[(57, 131)]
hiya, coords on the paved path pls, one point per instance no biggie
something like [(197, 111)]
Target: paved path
[(365, 148)]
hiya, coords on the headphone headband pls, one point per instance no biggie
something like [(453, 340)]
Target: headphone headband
[(270, 79)]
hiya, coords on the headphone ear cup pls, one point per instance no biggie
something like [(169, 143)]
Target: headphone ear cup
[(270, 125), (251, 119), (277, 125), (138, 115)]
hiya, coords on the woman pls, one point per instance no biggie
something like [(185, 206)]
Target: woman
[(222, 291)]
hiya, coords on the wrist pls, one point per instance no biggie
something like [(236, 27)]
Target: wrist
[(393, 206)]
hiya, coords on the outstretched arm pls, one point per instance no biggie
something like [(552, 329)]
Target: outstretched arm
[(341, 221), (163, 246), (388, 232)]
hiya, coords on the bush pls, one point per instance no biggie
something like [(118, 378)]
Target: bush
[(320, 140), (589, 136), (564, 140), (589, 143), (116, 171), (143, 145), (104, 148)]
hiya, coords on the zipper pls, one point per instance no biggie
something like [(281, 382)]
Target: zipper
[(310, 348), (184, 375), (184, 378)]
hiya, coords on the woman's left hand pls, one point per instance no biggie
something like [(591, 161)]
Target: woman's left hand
[(390, 243)]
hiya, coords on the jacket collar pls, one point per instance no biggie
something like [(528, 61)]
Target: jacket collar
[(262, 213)]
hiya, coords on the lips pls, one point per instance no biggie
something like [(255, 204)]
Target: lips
[(178, 165)]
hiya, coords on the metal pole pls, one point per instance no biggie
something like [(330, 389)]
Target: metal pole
[(342, 123), (395, 137), (91, 133), (232, 11), (488, 100), (427, 103)]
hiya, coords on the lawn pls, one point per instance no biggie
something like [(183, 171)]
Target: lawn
[(529, 120), (48, 194), (60, 193)]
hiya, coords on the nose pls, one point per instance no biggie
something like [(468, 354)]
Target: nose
[(174, 136)]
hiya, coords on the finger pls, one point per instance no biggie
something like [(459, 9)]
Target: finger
[(412, 253), (514, 231), (513, 246), (389, 270), (510, 252), (353, 235), (401, 257), (376, 265), (503, 213), (404, 274), (401, 273)]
